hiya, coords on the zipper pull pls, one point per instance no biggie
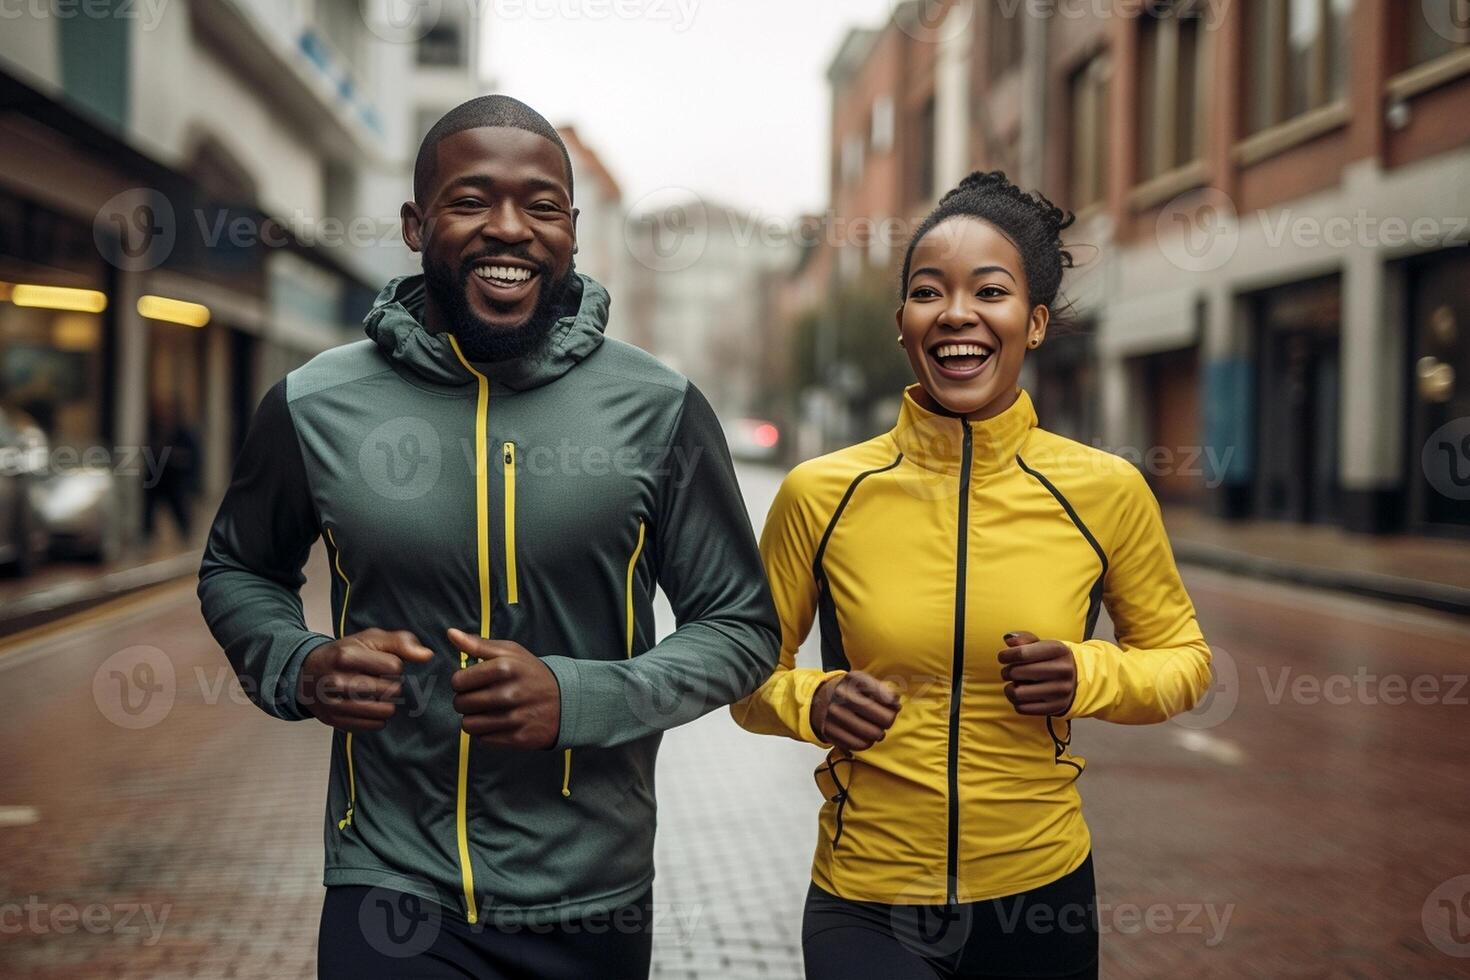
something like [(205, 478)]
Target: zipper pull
[(510, 453), (346, 821)]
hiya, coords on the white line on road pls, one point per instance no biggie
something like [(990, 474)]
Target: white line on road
[(1221, 750)]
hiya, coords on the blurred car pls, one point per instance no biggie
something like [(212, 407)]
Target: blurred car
[(78, 507), (754, 440), (22, 464)]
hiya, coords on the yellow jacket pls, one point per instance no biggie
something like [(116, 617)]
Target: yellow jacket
[(917, 551)]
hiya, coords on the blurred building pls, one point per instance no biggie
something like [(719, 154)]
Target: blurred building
[(248, 156), (601, 252), (699, 294), (1272, 202)]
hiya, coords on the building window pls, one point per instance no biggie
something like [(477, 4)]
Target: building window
[(1007, 37), (881, 130), (1433, 29), (1088, 103), (852, 159), (442, 47), (1171, 89), (1296, 58), (924, 137)]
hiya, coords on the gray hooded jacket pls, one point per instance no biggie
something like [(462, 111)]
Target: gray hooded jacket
[(541, 501)]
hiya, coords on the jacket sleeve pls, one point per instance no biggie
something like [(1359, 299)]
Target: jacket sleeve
[(782, 705), (251, 575), (1160, 666), (708, 565)]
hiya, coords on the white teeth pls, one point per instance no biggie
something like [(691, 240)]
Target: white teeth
[(504, 273), (960, 350)]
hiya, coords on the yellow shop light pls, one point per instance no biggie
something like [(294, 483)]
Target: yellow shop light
[(58, 298), (173, 310)]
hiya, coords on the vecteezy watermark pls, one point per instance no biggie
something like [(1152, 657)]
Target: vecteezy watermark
[(138, 688), (1211, 12), (138, 229), (1218, 703), (403, 458), (934, 21), (399, 924), (148, 12), (1446, 459), (1446, 917), (1364, 687), (674, 923), (37, 917), (135, 230), (144, 461), (938, 930), (1363, 229), (1198, 231), (1450, 19), (678, 14), (135, 687), (667, 230)]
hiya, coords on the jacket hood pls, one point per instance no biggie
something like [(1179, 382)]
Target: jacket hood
[(395, 325)]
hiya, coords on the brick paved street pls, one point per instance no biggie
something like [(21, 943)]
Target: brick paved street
[(1287, 836)]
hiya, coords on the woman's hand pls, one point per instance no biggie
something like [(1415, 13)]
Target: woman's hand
[(1042, 674), (853, 711)]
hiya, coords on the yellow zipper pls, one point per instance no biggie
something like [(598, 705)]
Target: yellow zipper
[(346, 820), (482, 547), (628, 587), (566, 772), (511, 597)]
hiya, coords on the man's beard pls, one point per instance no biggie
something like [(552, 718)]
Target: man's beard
[(482, 341)]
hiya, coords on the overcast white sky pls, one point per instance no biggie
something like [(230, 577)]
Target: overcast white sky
[(727, 98)]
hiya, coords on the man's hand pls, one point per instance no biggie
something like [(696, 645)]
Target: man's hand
[(353, 684), (1042, 674), (510, 698), (853, 711)]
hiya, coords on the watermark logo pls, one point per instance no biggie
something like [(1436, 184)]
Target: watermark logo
[(1450, 19), (401, 458), (1219, 701), (667, 230), (136, 229), (936, 21), (1446, 459), (401, 21), (134, 688), (1446, 917), (1198, 231), (398, 924)]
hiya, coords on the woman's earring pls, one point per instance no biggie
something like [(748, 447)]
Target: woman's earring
[(900, 340), (1035, 342)]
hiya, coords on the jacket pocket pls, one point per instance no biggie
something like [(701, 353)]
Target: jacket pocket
[(346, 820), (834, 780), (508, 456)]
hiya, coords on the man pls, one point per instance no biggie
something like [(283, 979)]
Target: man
[(500, 488)]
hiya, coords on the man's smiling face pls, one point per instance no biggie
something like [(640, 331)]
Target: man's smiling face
[(497, 231)]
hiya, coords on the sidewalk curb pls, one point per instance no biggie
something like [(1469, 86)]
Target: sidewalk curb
[(1432, 595), (67, 598)]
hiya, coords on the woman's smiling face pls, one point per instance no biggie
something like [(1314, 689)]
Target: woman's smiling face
[(966, 320)]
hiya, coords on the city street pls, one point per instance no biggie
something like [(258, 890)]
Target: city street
[(1308, 821)]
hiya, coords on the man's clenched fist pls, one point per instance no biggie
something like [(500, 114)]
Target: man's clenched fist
[(510, 698), (353, 684)]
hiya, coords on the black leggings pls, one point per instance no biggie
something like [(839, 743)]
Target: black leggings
[(1049, 931), (371, 933)]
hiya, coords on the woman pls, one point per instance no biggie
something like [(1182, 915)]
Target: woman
[(937, 557)]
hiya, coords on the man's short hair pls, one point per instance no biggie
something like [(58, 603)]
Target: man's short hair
[(485, 110)]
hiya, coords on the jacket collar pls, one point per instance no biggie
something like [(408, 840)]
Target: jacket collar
[(936, 442), (395, 324)]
